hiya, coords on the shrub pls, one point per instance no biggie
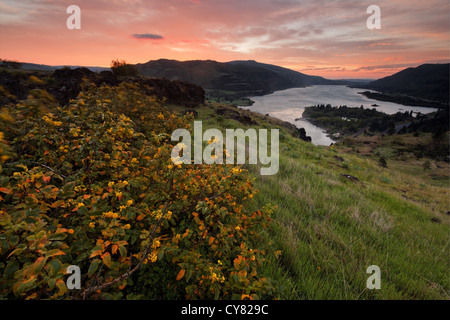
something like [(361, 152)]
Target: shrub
[(122, 68), (92, 184)]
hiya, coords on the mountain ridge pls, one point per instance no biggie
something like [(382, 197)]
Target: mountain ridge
[(425, 84), (242, 77)]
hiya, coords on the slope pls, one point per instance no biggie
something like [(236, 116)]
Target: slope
[(339, 213)]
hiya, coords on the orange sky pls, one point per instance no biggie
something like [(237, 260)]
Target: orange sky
[(326, 38)]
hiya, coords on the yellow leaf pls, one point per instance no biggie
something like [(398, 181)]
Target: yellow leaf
[(96, 253), (107, 259)]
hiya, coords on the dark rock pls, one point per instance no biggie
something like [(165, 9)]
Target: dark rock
[(301, 133), (236, 115), (436, 220), (350, 177), (67, 84), (177, 92)]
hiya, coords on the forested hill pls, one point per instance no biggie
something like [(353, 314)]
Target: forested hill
[(245, 77), (427, 82)]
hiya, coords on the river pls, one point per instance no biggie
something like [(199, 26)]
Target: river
[(289, 105)]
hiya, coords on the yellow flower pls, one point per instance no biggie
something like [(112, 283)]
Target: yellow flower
[(129, 202), (122, 207), (119, 194), (111, 184), (160, 116), (156, 244), (152, 257), (92, 224), (127, 226), (236, 170), (237, 228), (125, 182)]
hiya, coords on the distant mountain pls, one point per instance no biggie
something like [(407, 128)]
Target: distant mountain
[(241, 77), (356, 80), (43, 67), (427, 82)]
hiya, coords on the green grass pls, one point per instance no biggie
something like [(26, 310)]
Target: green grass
[(330, 229)]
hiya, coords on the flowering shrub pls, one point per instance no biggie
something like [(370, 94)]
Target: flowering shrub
[(92, 184)]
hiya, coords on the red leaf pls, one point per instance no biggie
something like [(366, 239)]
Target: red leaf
[(181, 274), (5, 190)]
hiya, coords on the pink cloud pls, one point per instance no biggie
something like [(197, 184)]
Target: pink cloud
[(329, 36)]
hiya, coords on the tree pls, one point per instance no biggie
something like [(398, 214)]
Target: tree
[(122, 68)]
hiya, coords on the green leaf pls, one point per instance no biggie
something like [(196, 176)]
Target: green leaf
[(123, 251), (58, 236), (93, 267), (51, 283), (14, 240), (55, 266), (10, 269), (21, 287), (160, 255), (38, 264)]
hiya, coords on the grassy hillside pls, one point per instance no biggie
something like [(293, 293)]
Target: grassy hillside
[(339, 212)]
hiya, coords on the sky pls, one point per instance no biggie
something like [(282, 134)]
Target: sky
[(316, 37)]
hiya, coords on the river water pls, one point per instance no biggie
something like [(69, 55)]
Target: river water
[(289, 105)]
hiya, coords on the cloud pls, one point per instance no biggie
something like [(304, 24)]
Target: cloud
[(388, 66), (147, 36)]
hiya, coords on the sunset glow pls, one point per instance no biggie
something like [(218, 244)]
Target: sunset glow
[(326, 38)]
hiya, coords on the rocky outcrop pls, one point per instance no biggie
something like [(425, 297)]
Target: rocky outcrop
[(65, 84)]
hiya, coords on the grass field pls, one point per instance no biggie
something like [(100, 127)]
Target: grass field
[(330, 227)]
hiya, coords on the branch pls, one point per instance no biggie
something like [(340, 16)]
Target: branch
[(47, 167), (129, 272)]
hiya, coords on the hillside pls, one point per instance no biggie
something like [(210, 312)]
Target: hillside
[(339, 211), (241, 78), (90, 183), (427, 85)]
